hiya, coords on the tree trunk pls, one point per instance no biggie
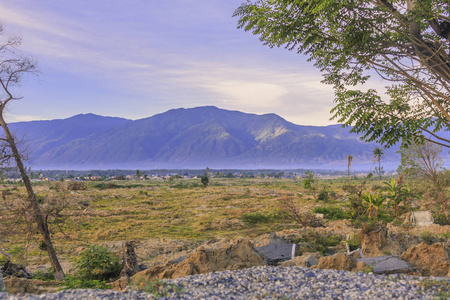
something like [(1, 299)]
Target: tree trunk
[(130, 265), (59, 273)]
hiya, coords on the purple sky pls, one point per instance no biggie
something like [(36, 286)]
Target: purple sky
[(134, 59)]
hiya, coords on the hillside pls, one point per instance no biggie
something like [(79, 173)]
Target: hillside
[(191, 138)]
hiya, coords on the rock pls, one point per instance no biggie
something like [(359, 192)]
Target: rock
[(15, 285), (306, 260), (120, 284), (276, 251), (389, 264), (421, 218), (378, 243), (429, 259), (223, 255), (339, 261)]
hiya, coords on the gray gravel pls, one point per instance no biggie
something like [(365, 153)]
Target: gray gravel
[(275, 283)]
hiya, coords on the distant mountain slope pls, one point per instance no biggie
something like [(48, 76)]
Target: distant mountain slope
[(191, 138), (46, 135)]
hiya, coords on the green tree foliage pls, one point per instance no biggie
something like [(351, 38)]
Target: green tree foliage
[(405, 43), (205, 180)]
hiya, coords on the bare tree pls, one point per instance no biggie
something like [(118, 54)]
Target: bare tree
[(423, 160), (13, 67)]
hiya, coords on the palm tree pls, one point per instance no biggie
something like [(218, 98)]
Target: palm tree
[(349, 160), (377, 152)]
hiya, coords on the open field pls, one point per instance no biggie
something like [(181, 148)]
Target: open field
[(81, 214)]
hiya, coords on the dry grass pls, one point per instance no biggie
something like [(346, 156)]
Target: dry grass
[(143, 210)]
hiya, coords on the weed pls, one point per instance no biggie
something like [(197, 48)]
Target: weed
[(47, 275), (427, 237), (74, 282), (158, 287)]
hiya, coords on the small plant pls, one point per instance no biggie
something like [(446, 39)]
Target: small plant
[(427, 237), (97, 263), (353, 242), (75, 282)]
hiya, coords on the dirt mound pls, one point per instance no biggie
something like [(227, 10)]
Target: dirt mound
[(340, 261), (429, 259), (224, 255), (379, 243)]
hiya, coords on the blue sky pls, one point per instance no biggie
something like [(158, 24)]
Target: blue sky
[(134, 59)]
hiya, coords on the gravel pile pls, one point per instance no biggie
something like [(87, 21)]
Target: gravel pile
[(276, 283)]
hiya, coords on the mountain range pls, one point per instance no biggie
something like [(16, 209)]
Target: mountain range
[(192, 138)]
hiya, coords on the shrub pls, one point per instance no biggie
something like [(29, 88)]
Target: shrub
[(256, 218), (323, 196), (441, 219), (104, 185), (97, 263), (332, 213)]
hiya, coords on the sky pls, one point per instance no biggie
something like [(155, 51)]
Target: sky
[(137, 58)]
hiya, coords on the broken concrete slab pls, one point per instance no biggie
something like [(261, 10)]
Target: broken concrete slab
[(276, 251), (421, 218), (389, 264)]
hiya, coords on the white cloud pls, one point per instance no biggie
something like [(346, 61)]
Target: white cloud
[(251, 93)]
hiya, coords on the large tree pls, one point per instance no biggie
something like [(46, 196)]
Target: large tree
[(13, 67), (406, 43)]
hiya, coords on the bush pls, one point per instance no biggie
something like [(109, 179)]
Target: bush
[(332, 213), (256, 218), (105, 185), (441, 219), (97, 263), (323, 196)]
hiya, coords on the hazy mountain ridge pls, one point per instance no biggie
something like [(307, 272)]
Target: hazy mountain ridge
[(191, 138)]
